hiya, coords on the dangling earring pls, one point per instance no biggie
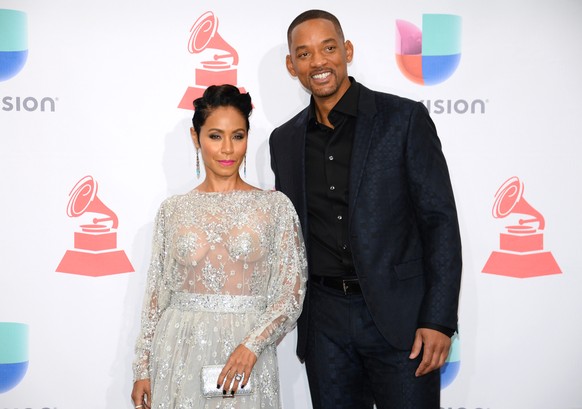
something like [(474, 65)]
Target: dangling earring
[(245, 166), (197, 165)]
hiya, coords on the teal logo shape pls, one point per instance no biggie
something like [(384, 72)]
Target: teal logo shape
[(13, 354), (13, 42)]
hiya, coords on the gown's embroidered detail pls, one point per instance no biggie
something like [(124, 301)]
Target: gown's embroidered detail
[(213, 277), (226, 269)]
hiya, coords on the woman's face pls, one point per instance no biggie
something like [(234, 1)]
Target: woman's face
[(222, 142)]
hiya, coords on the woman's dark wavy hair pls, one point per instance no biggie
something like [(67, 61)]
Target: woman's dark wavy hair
[(215, 96)]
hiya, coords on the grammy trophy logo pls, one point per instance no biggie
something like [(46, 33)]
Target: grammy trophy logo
[(219, 59), (521, 246), (95, 253)]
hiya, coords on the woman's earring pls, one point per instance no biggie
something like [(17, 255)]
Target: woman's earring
[(197, 165), (245, 166)]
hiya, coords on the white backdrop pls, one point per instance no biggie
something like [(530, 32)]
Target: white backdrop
[(115, 72)]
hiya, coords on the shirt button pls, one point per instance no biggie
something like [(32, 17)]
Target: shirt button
[(340, 217), (332, 188), (345, 247), (330, 157)]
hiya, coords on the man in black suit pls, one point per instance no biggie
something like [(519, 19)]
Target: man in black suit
[(367, 176)]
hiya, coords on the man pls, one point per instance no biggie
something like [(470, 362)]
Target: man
[(367, 176)]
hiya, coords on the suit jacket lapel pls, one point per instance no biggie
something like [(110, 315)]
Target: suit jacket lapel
[(365, 130)]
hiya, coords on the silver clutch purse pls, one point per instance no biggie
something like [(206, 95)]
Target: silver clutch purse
[(209, 375)]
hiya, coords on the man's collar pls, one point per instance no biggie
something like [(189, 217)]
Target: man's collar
[(347, 105)]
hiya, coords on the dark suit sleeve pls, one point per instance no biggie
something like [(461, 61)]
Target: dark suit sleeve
[(274, 161), (434, 207)]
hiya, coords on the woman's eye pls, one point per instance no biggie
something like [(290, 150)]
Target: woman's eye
[(214, 136), (239, 136)]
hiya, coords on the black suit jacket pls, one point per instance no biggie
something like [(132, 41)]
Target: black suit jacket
[(403, 223)]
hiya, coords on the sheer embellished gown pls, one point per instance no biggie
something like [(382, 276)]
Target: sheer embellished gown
[(226, 269)]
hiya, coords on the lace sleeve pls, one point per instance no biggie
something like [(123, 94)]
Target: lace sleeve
[(155, 299), (286, 289)]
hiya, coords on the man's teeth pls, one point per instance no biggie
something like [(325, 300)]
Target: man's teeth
[(321, 76)]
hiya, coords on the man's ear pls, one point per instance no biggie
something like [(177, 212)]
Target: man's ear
[(349, 51), (289, 64)]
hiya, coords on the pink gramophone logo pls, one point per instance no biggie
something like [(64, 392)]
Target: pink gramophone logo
[(214, 71), (521, 247), (95, 253)]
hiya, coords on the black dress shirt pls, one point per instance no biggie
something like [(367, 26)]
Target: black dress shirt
[(327, 156)]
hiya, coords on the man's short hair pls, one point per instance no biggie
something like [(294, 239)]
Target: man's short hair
[(312, 15)]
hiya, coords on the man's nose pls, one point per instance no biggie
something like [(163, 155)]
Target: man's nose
[(318, 59)]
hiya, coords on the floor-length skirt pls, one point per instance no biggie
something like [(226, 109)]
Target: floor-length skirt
[(202, 329)]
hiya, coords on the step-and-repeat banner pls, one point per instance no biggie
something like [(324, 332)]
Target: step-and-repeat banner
[(95, 108)]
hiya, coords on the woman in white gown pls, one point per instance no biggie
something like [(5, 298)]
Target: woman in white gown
[(227, 276)]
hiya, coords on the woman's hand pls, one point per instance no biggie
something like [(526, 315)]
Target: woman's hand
[(237, 368), (141, 394)]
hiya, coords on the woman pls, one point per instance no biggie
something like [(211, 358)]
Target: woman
[(227, 276)]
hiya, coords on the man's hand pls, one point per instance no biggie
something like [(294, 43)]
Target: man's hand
[(435, 348)]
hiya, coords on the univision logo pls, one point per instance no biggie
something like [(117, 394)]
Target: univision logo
[(13, 42), (13, 56), (13, 354), (450, 369), (431, 55)]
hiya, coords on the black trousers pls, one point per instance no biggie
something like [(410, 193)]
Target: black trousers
[(350, 365)]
